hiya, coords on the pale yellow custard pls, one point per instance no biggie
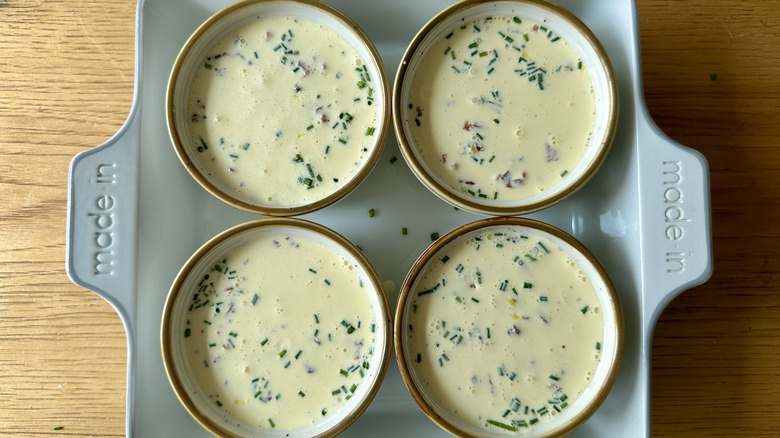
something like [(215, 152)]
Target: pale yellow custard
[(280, 333), (500, 108), (282, 111), (504, 329)]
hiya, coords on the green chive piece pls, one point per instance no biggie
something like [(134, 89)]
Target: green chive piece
[(393, 160), (370, 131), (517, 20), (302, 394), (554, 377), (271, 422), (371, 213), (344, 372), (502, 425), (404, 231), (58, 428), (187, 333), (434, 236), (282, 353), (254, 299), (218, 403), (584, 310)]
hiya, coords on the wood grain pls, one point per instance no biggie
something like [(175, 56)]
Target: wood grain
[(67, 78), (716, 353)]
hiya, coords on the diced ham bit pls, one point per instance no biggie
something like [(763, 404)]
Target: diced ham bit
[(305, 68), (468, 126), (550, 153), (268, 36), (510, 180)]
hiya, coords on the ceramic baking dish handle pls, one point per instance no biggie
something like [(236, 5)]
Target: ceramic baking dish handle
[(102, 220), (675, 214)]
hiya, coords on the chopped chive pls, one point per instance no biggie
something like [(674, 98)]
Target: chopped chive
[(445, 259), (327, 282), (58, 428), (598, 346), (298, 354), (393, 160), (496, 122), (584, 310), (517, 20), (219, 403), (525, 37), (502, 425), (302, 394), (282, 353), (564, 173), (371, 213), (187, 333), (233, 334), (254, 299), (343, 372), (348, 326), (271, 422), (543, 298), (449, 35), (434, 236), (316, 318), (310, 127), (404, 231), (264, 341), (554, 377), (370, 131)]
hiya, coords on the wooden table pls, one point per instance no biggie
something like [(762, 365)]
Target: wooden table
[(712, 82)]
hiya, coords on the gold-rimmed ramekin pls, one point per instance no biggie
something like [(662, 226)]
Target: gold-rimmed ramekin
[(475, 317), (215, 335), (438, 158), (250, 175)]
